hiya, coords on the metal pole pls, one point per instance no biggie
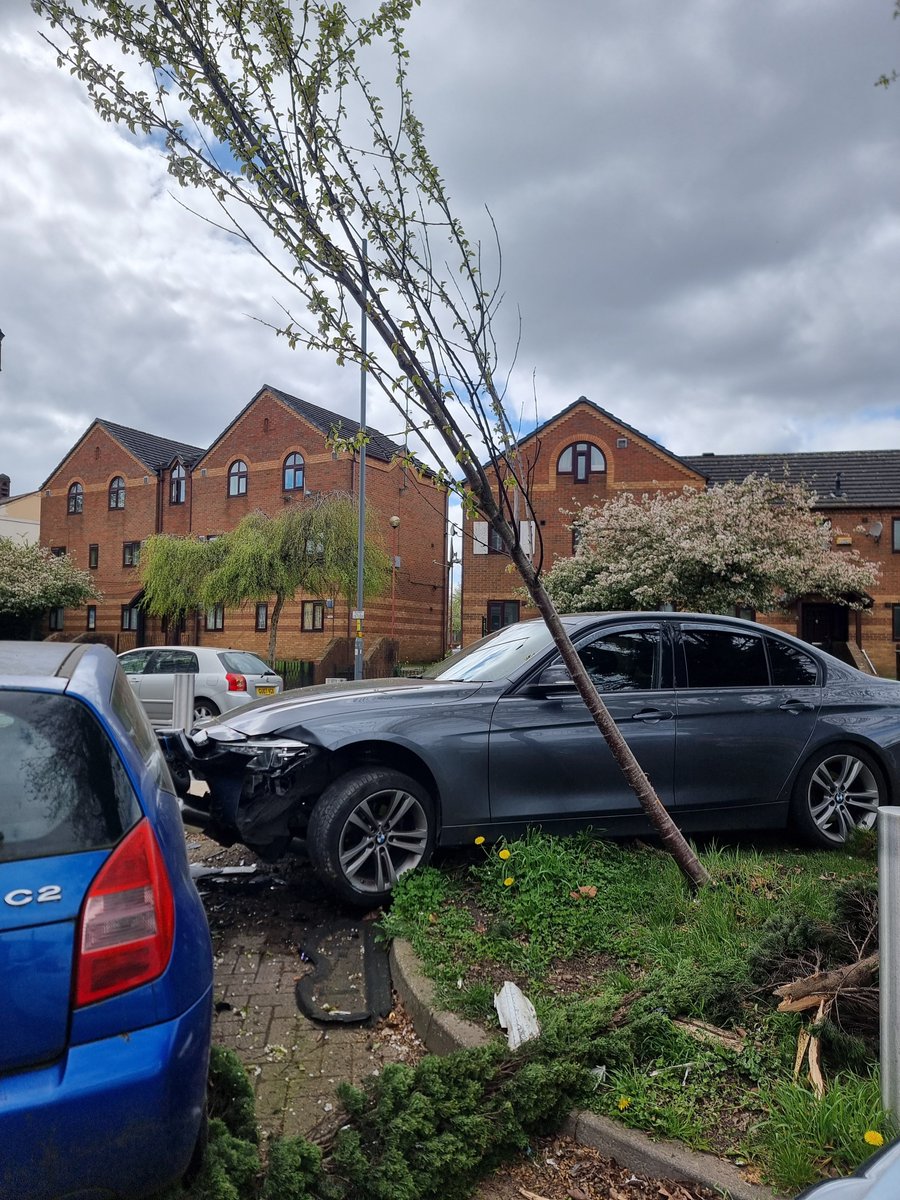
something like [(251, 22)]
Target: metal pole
[(889, 955), (183, 703), (361, 532)]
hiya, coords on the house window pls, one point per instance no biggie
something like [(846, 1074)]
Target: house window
[(292, 474), (895, 622), (117, 493), (495, 542), (130, 616), (500, 613), (91, 617), (581, 460), (58, 551), (262, 618), (57, 619), (76, 499), (178, 486), (131, 554), (312, 619), (215, 617), (237, 478), (93, 556), (895, 530)]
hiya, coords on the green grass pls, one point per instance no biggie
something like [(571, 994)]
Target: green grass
[(589, 923)]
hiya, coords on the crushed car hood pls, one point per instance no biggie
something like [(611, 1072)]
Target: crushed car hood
[(358, 700)]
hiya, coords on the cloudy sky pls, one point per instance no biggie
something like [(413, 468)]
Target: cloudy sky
[(699, 205)]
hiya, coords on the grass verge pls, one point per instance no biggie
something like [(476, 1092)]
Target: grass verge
[(611, 936)]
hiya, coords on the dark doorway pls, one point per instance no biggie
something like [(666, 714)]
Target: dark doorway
[(825, 625)]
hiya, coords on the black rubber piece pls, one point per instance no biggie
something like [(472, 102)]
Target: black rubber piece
[(350, 983)]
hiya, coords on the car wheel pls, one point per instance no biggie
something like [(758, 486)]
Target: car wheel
[(369, 827), (205, 708), (838, 790)]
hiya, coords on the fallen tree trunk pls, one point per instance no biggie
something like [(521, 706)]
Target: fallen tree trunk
[(805, 993)]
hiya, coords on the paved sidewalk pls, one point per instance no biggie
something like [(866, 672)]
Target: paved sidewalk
[(259, 925)]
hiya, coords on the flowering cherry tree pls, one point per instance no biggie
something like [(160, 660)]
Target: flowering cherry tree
[(755, 544), (33, 580)]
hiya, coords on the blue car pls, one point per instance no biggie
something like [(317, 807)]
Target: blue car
[(105, 955)]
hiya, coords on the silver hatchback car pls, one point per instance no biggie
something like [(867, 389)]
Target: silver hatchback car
[(223, 679)]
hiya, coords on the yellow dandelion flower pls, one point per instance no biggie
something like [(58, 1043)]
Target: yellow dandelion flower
[(508, 881), (479, 841), (504, 854), (873, 1137), (623, 1102)]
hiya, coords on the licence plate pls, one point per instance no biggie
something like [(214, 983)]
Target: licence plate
[(265, 691)]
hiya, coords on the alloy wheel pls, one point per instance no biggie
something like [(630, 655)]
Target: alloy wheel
[(843, 795), (385, 835)]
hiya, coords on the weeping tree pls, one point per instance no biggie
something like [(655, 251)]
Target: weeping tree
[(270, 109), (310, 547)]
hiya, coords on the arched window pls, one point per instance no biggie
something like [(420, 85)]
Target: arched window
[(237, 478), (117, 493), (76, 499), (177, 492), (292, 475), (581, 460)]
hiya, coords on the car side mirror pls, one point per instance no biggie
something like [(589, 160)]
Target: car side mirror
[(554, 678)]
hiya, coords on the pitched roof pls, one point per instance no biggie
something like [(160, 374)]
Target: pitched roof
[(326, 422), (685, 462), (840, 478), (153, 451)]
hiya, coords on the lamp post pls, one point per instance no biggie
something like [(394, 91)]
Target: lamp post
[(359, 611), (394, 523)]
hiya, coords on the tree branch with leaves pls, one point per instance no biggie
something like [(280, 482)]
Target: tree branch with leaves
[(269, 109)]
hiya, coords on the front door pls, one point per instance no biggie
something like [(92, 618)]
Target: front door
[(550, 763), (824, 625)]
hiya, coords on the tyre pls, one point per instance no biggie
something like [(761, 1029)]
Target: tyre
[(369, 827), (205, 708), (838, 790)]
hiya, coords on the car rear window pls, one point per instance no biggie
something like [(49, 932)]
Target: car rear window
[(242, 662), (63, 788)]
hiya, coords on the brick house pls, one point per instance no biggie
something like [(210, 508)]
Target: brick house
[(585, 455), (117, 486), (109, 493), (859, 492)]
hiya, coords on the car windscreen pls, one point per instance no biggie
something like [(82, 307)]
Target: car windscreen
[(242, 662), (497, 656), (63, 788)]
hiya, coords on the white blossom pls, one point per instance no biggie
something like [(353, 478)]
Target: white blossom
[(755, 544), (33, 580)]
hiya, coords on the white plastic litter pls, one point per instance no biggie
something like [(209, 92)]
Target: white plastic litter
[(516, 1015)]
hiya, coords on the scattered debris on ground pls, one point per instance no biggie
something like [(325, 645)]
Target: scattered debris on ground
[(559, 1169)]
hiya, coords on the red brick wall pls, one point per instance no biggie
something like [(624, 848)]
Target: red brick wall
[(413, 611), (638, 466), (642, 467), (94, 462)]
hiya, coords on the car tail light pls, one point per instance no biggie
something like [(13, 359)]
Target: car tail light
[(128, 920), (236, 683)]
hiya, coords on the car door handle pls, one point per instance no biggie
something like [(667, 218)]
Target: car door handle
[(795, 706), (652, 714)]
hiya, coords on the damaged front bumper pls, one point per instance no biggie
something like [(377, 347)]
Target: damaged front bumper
[(257, 786)]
